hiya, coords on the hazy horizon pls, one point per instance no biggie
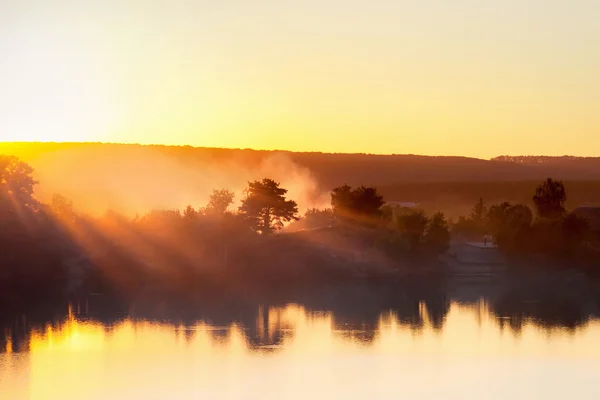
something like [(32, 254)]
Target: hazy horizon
[(135, 178), (18, 142)]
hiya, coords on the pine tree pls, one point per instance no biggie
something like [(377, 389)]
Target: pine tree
[(266, 208)]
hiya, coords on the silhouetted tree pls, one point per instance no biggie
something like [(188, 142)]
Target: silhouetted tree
[(342, 200), (506, 215), (368, 201), (436, 238), (17, 205), (266, 208), (479, 214), (190, 213), (31, 246), (477, 222), (519, 215), (549, 199), (16, 186), (317, 218), (413, 227), (219, 201), (507, 222), (362, 201)]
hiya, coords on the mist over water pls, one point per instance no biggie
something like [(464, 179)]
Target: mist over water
[(139, 179)]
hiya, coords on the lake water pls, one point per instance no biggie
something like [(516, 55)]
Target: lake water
[(458, 351)]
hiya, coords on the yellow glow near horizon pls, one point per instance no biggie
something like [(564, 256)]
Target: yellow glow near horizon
[(42, 134), (431, 77)]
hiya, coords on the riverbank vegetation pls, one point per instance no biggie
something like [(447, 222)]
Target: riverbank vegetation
[(52, 251), (548, 234)]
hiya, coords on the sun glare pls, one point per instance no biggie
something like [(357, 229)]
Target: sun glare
[(41, 136), (53, 90), (51, 115)]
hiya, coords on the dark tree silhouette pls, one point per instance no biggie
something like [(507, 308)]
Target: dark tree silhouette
[(508, 216), (31, 245), (316, 218), (16, 186), (436, 238), (497, 215), (413, 227), (509, 223), (476, 224), (342, 200), (266, 208), (362, 201), (190, 214), (18, 207), (219, 201), (549, 199), (520, 215), (479, 214), (368, 201)]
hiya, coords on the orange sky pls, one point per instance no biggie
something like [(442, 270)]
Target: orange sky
[(430, 77)]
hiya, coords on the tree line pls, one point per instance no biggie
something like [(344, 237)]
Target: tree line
[(37, 238), (265, 209), (548, 230)]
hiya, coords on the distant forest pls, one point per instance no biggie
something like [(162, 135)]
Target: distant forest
[(333, 169), (450, 184)]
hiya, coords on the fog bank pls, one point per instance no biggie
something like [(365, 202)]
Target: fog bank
[(138, 179)]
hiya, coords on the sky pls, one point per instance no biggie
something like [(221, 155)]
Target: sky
[(463, 77)]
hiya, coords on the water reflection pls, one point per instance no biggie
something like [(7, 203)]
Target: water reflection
[(425, 348)]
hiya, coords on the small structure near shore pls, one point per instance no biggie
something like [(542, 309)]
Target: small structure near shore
[(485, 252), (474, 260)]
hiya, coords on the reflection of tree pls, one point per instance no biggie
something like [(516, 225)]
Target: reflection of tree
[(354, 311), (268, 332), (548, 309), (437, 309)]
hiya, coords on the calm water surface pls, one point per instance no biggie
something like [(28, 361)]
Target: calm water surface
[(288, 352)]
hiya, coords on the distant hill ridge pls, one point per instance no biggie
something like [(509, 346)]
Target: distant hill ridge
[(545, 159), (332, 169)]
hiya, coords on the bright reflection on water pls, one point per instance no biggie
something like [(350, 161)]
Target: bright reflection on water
[(295, 354)]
